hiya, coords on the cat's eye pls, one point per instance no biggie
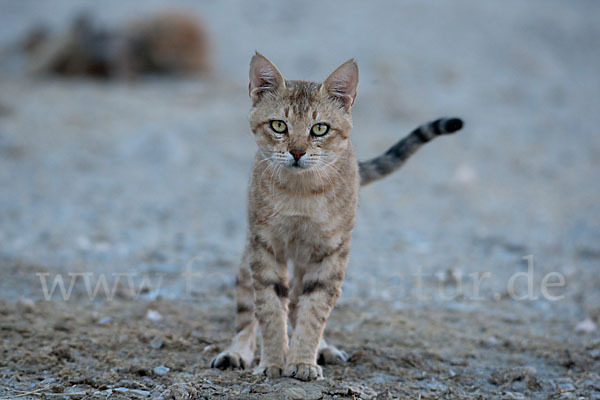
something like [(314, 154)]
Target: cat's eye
[(278, 126), (319, 129)]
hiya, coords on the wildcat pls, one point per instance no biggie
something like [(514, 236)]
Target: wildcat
[(302, 205), (167, 43)]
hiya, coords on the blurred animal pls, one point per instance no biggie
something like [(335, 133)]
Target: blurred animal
[(167, 43), (302, 205)]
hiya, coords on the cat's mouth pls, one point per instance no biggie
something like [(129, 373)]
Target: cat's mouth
[(299, 165)]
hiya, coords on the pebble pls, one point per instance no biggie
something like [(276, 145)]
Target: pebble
[(105, 321), (514, 395), (590, 384), (140, 392), (156, 343), (493, 341), (296, 393), (361, 391), (567, 396), (136, 392), (153, 315), (566, 387), (27, 304), (585, 326), (209, 348), (161, 370)]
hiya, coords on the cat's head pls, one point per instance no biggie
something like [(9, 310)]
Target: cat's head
[(297, 124)]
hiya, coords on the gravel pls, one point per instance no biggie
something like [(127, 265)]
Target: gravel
[(143, 184)]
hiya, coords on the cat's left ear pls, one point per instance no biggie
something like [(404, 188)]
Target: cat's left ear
[(342, 83)]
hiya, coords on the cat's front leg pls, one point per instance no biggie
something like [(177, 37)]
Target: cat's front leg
[(270, 280), (321, 287)]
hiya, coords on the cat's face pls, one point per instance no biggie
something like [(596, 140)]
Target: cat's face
[(301, 125)]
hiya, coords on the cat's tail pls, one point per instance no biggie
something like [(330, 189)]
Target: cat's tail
[(379, 167)]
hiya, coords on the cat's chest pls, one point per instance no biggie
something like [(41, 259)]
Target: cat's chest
[(299, 220), (296, 225), (314, 208)]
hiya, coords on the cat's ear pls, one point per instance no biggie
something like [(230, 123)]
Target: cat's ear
[(264, 77), (341, 84)]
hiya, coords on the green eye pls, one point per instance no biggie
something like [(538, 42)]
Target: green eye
[(319, 129), (279, 126)]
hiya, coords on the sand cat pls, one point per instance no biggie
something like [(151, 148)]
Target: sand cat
[(302, 205), (166, 43)]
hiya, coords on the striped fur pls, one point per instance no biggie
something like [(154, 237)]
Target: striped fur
[(394, 158), (302, 211)]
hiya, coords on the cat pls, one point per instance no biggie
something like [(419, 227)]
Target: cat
[(167, 43), (302, 205)]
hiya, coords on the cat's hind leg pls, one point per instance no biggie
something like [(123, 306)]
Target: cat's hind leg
[(329, 354), (240, 354)]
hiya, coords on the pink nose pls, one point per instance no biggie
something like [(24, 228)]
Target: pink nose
[(297, 154)]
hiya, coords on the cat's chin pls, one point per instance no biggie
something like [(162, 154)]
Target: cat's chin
[(296, 168)]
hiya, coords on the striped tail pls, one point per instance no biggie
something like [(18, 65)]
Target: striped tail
[(379, 167)]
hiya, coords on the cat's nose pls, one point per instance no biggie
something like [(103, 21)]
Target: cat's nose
[(297, 153)]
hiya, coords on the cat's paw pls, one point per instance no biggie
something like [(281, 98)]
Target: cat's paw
[(271, 371), (229, 360), (331, 355), (303, 371)]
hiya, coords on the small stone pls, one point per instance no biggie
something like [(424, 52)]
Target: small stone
[(568, 396), (153, 315), (161, 370), (62, 326), (27, 304), (493, 341), (293, 393), (532, 383), (156, 343), (105, 320), (209, 348), (585, 326), (313, 391), (514, 395), (139, 392), (361, 391), (121, 389), (590, 384), (566, 387)]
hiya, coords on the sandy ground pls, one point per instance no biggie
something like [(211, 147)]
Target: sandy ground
[(144, 183)]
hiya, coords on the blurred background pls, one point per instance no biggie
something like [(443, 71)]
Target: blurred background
[(125, 148)]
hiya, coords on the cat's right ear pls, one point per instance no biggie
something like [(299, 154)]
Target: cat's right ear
[(264, 77)]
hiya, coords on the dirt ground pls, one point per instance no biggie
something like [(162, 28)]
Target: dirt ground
[(120, 350), (143, 184)]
